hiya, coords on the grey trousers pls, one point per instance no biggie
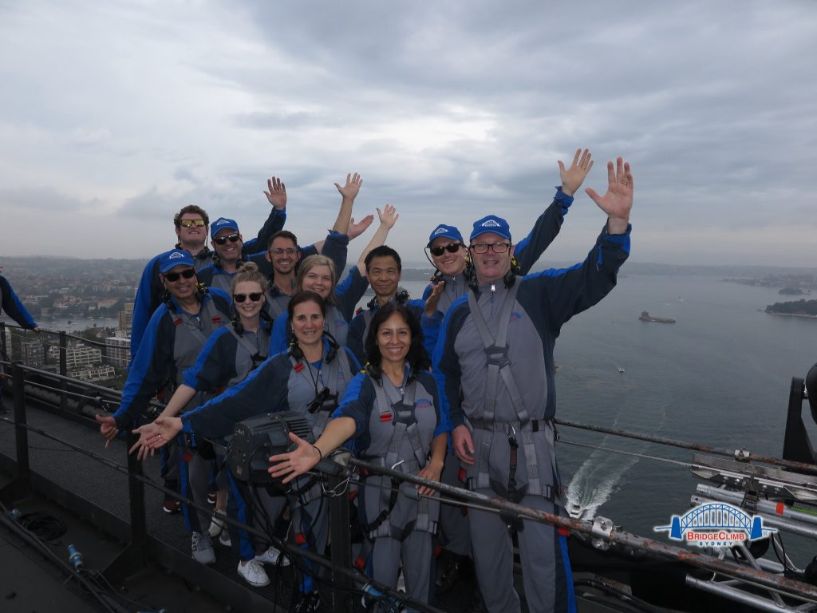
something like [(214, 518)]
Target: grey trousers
[(539, 553), (453, 527)]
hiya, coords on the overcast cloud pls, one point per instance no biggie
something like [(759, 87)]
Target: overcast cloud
[(116, 114)]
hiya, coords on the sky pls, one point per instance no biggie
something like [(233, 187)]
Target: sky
[(116, 114)]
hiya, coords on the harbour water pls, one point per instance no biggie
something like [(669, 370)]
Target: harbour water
[(720, 375)]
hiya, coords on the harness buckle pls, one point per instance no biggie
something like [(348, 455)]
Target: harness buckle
[(497, 356)]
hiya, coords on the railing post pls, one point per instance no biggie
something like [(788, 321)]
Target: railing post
[(3, 348), (134, 556), (63, 367), (21, 486), (341, 539), (20, 430)]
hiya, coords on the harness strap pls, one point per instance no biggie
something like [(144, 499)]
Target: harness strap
[(253, 350), (496, 350)]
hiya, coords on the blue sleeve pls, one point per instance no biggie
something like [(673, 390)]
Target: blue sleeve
[(353, 361), (264, 390), (335, 247), (213, 368), (546, 228), (145, 303), (350, 291), (357, 403), (274, 223), (279, 340), (307, 251), (558, 294), (354, 338), (443, 423), (152, 366), (429, 325), (205, 275), (446, 366), (13, 307), (427, 291)]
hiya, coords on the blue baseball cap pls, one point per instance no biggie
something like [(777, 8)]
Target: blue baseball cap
[(444, 231), (491, 224), (173, 258), (222, 223)]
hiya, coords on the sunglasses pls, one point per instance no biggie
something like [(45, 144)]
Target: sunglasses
[(254, 296), (282, 251), (192, 223), (172, 277), (222, 240), (450, 248)]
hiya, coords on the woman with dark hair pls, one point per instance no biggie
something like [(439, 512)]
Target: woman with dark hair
[(308, 379), (391, 410)]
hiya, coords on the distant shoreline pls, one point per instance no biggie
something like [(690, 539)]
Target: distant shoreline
[(800, 315)]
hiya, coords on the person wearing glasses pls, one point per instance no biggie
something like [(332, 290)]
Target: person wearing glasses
[(191, 224), (317, 273), (283, 255), (173, 339), (309, 378), (230, 354), (447, 252), (495, 371)]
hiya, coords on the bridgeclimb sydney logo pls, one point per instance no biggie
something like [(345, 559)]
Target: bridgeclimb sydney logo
[(715, 524)]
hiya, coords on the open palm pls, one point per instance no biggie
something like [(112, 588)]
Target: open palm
[(618, 200)]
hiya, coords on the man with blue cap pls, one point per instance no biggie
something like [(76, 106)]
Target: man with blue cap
[(173, 338), (495, 369), (228, 245), (191, 224), (447, 252)]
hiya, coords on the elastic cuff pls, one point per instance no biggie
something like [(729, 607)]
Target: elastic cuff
[(562, 198)]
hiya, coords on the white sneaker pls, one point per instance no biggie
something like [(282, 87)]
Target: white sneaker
[(224, 538), (253, 573), (216, 526), (202, 548), (272, 556)]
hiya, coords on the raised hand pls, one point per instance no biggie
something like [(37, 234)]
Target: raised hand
[(107, 427), (356, 229), (277, 194), (618, 200), (388, 216), (573, 177), (352, 187), (295, 463), (434, 298)]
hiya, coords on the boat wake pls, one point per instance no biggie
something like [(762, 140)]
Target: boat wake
[(599, 476)]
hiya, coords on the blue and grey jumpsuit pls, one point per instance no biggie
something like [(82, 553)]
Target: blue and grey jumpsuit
[(171, 344), (282, 383), (150, 290), (394, 427), (454, 533), (229, 355), (507, 399)]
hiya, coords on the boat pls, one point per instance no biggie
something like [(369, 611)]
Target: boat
[(620, 370), (645, 316), (120, 562)]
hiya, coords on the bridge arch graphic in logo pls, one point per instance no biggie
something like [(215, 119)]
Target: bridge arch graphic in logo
[(715, 524)]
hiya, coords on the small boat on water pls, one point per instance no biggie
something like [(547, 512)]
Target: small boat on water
[(645, 316)]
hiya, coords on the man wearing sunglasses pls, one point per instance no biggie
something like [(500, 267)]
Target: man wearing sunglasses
[(447, 251), (495, 371), (177, 331), (228, 245), (191, 226)]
